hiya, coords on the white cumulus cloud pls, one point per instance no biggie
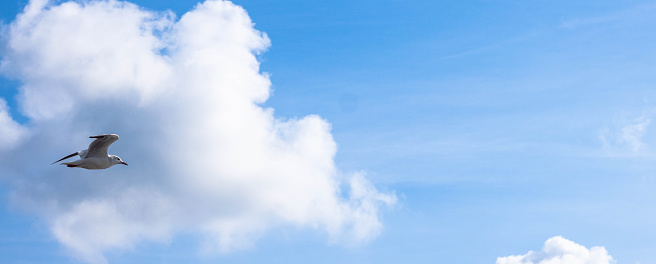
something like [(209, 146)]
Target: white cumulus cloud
[(558, 250), (185, 96)]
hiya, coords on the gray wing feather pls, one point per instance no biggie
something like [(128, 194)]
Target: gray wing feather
[(100, 146)]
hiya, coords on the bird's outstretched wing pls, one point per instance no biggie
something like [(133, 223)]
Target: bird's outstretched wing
[(69, 156), (98, 148)]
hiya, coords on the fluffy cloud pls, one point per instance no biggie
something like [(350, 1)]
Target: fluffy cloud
[(558, 250), (185, 96)]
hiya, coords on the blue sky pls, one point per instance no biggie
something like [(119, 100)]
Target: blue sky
[(497, 125)]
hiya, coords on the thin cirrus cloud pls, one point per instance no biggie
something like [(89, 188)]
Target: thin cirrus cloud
[(185, 96), (558, 250)]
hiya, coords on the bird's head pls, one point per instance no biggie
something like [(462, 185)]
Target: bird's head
[(117, 160)]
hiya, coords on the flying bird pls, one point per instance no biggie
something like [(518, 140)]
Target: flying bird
[(95, 157)]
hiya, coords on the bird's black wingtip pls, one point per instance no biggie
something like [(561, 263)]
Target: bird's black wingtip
[(104, 135), (69, 156)]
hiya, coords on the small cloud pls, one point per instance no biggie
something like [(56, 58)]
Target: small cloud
[(631, 135), (627, 137), (558, 250)]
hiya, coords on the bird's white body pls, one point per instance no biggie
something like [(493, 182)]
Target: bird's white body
[(95, 157), (92, 163)]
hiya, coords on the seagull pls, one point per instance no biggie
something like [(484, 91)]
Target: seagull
[(95, 157)]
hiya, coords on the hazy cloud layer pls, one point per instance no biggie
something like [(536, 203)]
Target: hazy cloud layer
[(184, 95), (558, 250)]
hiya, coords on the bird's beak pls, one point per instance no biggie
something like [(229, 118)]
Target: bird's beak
[(124, 163)]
